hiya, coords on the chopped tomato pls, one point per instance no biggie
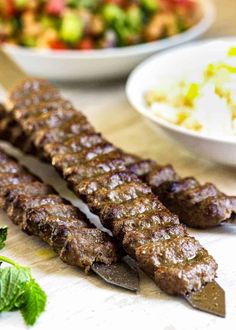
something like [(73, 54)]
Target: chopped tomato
[(58, 45), (8, 8), (86, 44), (181, 3), (55, 7)]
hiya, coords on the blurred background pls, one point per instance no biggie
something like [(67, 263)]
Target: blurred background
[(225, 23), (103, 39)]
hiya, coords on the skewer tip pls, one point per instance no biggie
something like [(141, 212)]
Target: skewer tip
[(118, 274), (210, 299)]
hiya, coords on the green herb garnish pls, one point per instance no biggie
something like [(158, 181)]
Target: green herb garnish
[(18, 289)]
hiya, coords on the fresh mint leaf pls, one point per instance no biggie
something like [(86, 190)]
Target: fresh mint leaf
[(13, 283), (19, 291), (35, 302), (3, 236)]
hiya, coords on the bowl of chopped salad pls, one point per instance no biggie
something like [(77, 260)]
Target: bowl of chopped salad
[(93, 39), (190, 94)]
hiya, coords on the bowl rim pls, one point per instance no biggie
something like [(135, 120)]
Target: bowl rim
[(208, 16), (158, 120)]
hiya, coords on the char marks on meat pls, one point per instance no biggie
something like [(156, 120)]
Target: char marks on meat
[(198, 206), (107, 180), (40, 211)]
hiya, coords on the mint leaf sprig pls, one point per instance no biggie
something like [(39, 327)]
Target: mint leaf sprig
[(18, 288)]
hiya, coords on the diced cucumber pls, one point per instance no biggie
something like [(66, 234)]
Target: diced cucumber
[(28, 41), (150, 5), (20, 4), (112, 13), (134, 18), (71, 30)]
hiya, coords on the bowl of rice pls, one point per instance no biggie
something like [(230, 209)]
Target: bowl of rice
[(190, 94)]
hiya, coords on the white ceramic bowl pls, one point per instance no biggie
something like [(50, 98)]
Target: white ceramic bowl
[(97, 64), (184, 61)]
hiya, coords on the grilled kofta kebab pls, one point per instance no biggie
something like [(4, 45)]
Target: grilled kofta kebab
[(97, 172), (38, 210), (198, 206)]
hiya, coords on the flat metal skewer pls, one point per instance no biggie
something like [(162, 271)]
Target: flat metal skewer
[(210, 299), (118, 274)]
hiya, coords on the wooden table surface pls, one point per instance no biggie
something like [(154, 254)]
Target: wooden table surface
[(76, 301)]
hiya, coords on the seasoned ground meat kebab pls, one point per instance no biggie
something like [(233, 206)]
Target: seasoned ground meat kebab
[(38, 210), (97, 172), (199, 206)]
